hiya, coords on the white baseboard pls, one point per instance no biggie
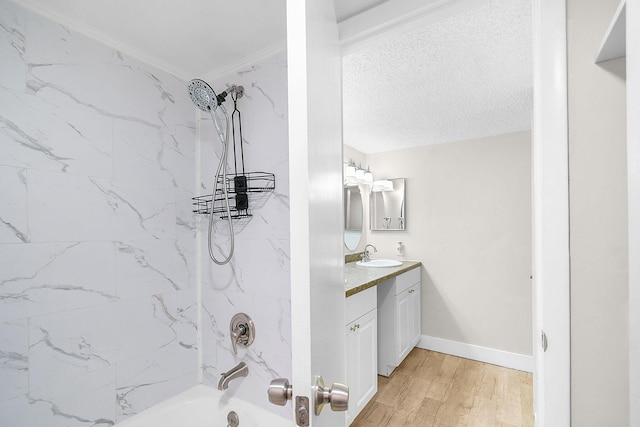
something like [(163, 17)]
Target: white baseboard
[(521, 362)]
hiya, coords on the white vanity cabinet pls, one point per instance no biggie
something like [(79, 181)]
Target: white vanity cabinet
[(362, 346), (398, 319)]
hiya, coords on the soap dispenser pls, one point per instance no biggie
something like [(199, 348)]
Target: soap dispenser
[(400, 249)]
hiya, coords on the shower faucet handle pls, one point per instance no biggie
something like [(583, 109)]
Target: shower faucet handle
[(238, 336), (242, 331)]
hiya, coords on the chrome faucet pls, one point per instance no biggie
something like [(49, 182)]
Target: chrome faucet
[(242, 370), (365, 254)]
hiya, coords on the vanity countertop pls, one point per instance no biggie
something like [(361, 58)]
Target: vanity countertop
[(358, 278)]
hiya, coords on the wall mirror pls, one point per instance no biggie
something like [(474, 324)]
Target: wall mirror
[(353, 216), (386, 205)]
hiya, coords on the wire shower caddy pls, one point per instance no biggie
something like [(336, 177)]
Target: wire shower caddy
[(245, 189), (258, 187)]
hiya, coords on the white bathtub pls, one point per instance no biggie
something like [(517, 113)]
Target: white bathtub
[(203, 406)]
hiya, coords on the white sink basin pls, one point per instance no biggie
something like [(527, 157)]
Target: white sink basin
[(379, 263)]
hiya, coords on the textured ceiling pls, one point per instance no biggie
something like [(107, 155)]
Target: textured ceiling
[(463, 77)]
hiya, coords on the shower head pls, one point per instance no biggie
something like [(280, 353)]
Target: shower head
[(202, 95), (206, 99)]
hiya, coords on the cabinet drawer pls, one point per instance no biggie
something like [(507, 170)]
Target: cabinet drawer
[(407, 280), (360, 304)]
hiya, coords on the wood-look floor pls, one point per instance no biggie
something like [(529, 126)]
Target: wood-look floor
[(438, 390)]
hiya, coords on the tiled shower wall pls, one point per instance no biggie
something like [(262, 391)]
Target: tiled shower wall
[(97, 241), (257, 280)]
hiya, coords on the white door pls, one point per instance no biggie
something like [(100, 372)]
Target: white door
[(315, 159), (552, 386)]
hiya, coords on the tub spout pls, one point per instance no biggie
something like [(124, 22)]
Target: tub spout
[(242, 370)]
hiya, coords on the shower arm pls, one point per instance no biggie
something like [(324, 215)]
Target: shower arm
[(238, 90)]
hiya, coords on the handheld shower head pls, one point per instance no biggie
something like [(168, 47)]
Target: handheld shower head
[(203, 95), (206, 99)]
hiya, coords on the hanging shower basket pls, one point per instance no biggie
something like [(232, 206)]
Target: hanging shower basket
[(245, 190)]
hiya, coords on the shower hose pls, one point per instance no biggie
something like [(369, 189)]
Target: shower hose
[(222, 168)]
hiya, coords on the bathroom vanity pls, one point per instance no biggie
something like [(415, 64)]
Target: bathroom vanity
[(383, 325)]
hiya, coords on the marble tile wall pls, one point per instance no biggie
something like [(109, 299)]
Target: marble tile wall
[(257, 280), (97, 241)]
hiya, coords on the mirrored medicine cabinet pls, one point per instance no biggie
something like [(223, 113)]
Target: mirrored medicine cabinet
[(387, 205)]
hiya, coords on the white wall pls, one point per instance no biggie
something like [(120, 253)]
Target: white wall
[(468, 220), (598, 209), (97, 282), (257, 280)]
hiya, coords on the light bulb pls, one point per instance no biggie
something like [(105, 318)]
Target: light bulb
[(368, 177), (351, 170)]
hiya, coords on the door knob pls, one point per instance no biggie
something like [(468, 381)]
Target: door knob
[(280, 391), (337, 396)]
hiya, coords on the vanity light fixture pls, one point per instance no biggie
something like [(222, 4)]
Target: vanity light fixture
[(357, 175)]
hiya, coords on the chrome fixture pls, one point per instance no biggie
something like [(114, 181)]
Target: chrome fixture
[(241, 331), (337, 396), (365, 254), (241, 370), (232, 419), (206, 99), (280, 391)]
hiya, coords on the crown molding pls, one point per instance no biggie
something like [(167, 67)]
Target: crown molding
[(151, 60), (78, 27), (245, 62)]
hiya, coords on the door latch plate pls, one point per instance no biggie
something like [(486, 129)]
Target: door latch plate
[(302, 411)]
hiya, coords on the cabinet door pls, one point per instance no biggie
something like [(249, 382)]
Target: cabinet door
[(415, 321), (404, 326), (352, 370), (367, 357), (362, 362)]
